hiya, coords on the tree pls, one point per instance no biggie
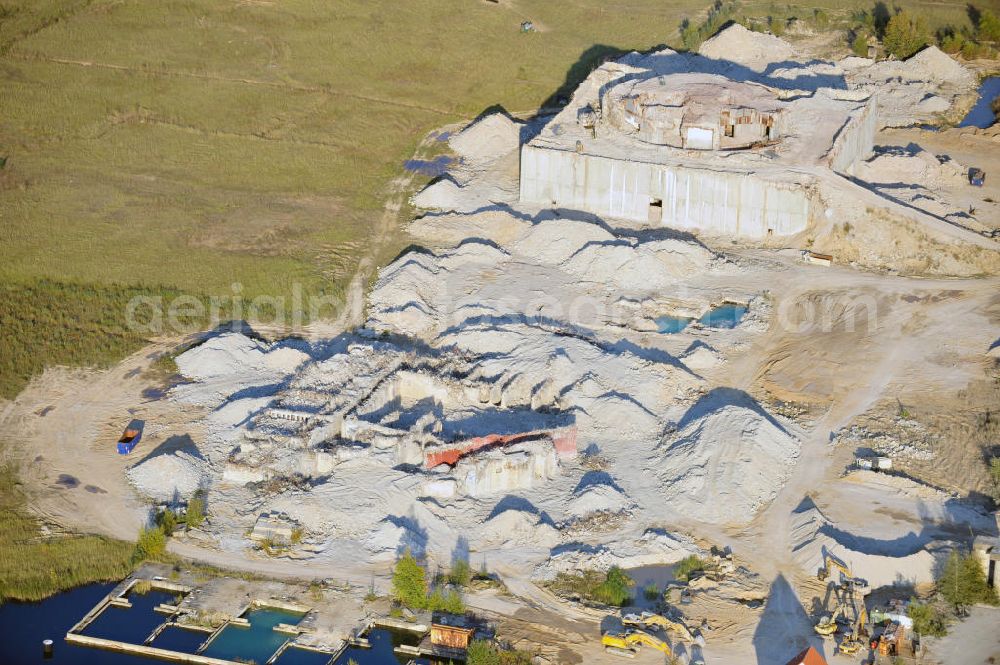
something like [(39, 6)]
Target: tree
[(860, 45), (927, 619), (409, 582), (167, 521), (963, 581), (195, 511), (151, 543), (989, 26), (905, 35)]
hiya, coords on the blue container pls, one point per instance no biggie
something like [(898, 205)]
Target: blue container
[(130, 438)]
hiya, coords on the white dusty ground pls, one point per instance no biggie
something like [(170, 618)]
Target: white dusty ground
[(513, 319)]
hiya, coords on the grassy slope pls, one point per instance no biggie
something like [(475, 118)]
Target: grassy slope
[(191, 144), (33, 566)]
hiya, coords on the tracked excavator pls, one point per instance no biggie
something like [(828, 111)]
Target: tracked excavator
[(649, 620), (629, 642), (850, 594)]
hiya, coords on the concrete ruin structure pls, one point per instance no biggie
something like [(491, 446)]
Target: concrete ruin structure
[(432, 413), (695, 151)]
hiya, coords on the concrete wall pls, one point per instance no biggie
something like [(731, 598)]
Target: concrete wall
[(856, 139), (716, 202)]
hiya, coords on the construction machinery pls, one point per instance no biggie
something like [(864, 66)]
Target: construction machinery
[(849, 593), (648, 620), (631, 641), (827, 624), (832, 563)]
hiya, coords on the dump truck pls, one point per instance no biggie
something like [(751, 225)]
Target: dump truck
[(130, 438), (977, 177)]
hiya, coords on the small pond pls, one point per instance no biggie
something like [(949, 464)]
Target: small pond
[(176, 638), (644, 576), (727, 315), (258, 642), (669, 325), (383, 642), (132, 624), (981, 115), (296, 656)]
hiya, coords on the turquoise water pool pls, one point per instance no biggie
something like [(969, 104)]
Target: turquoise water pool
[(258, 642), (669, 325), (727, 315)]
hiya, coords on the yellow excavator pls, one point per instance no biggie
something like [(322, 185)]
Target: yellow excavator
[(649, 620), (847, 578), (629, 642), (850, 593), (827, 624)]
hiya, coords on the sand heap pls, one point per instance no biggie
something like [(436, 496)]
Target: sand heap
[(926, 177), (755, 50), (725, 463), (598, 498), (232, 362), (654, 548), (487, 138), (919, 89), (169, 476), (899, 561), (517, 528)]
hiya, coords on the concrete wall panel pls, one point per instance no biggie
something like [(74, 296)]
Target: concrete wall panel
[(717, 202)]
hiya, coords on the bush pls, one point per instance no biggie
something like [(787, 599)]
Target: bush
[(952, 43), (449, 601), (482, 652), (962, 582), (460, 573), (651, 592), (614, 590), (989, 26), (927, 619), (151, 544), (195, 515), (688, 565), (776, 25), (409, 583), (905, 35), (860, 45), (167, 521), (611, 588)]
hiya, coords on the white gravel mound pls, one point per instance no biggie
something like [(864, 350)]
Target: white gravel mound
[(441, 194), (487, 138), (940, 67), (726, 464), (755, 50), (169, 476), (813, 536), (517, 528), (555, 241), (598, 498), (655, 547), (234, 353)]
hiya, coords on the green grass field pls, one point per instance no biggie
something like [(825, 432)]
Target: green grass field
[(190, 144)]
